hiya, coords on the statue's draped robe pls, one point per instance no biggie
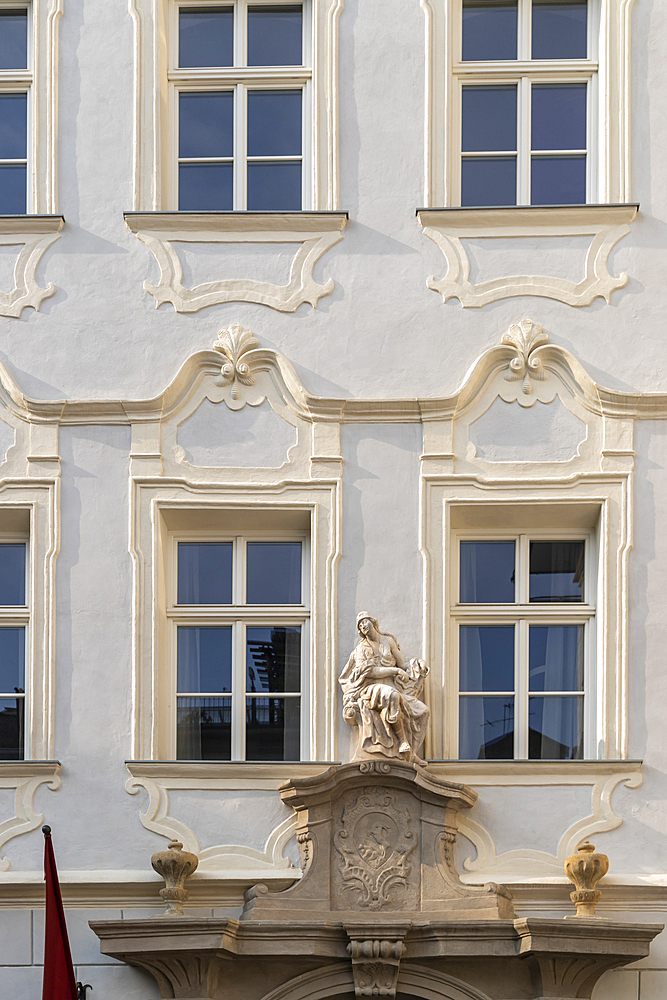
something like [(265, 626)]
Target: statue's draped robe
[(379, 703)]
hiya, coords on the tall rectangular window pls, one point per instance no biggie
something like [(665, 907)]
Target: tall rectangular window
[(14, 623), (523, 617), (240, 81), (239, 623), (15, 84), (526, 76)]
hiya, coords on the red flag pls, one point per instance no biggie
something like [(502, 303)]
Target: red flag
[(59, 981)]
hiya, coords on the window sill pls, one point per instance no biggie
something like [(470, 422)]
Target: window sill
[(531, 772), (34, 234), (316, 232), (447, 227), (222, 775)]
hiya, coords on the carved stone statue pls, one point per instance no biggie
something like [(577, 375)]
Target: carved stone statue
[(381, 695)]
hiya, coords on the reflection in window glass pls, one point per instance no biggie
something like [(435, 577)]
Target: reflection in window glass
[(274, 123), (489, 29), (274, 187), (486, 728), (13, 39), (273, 659), (204, 729), (13, 146), (12, 728), (486, 658), (205, 572), (556, 660), (559, 29), (557, 571), (12, 574), (486, 572), (558, 116), (206, 122), (489, 119), (274, 35), (556, 728), (488, 181), (206, 36), (274, 573), (272, 729), (12, 660), (558, 180), (204, 657)]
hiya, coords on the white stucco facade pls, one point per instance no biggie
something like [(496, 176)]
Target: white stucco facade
[(379, 418)]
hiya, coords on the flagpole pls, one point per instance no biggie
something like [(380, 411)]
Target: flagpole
[(59, 982)]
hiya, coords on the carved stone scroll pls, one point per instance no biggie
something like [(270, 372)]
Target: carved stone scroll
[(376, 960)]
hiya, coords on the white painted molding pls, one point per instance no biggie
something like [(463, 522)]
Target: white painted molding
[(25, 777), (524, 863), (221, 858), (34, 234), (606, 224), (225, 775), (315, 233)]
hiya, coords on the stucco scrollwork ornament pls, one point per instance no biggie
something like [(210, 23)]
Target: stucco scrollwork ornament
[(525, 337), (381, 695), (374, 840), (234, 342)]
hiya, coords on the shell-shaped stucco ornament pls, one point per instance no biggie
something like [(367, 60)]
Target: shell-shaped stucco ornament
[(234, 343), (525, 337)]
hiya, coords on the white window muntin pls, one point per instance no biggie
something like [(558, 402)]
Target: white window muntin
[(524, 72), (239, 616), (522, 615), (239, 79)]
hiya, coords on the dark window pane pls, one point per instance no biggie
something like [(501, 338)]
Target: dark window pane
[(272, 729), (12, 573), (13, 39), (486, 728), (274, 123), (555, 728), (274, 573), (559, 29), (274, 35), (206, 124), (12, 728), (12, 660), (204, 729), (205, 187), (487, 573), (489, 119), (273, 659), (489, 29), (489, 180), (556, 658), (558, 116), (486, 658), (274, 186), (12, 189), (557, 571), (205, 572), (204, 659), (13, 126), (558, 180), (206, 36)]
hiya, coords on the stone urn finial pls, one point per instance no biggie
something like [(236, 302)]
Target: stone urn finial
[(174, 865), (585, 869)]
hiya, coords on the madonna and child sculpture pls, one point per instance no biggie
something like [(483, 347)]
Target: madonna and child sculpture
[(381, 695)]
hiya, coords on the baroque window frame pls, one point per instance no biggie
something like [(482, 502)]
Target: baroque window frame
[(443, 122), (243, 615), (153, 135)]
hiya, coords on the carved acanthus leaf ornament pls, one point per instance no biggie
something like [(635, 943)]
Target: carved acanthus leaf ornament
[(525, 337)]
